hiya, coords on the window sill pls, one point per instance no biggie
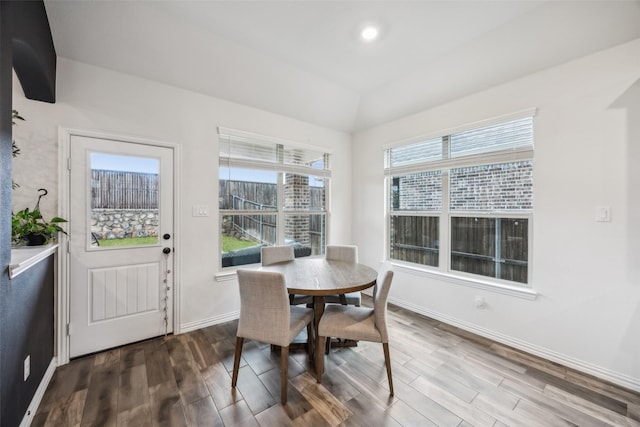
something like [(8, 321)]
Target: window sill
[(515, 291), (225, 276)]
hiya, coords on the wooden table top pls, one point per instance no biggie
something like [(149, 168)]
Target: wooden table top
[(318, 276)]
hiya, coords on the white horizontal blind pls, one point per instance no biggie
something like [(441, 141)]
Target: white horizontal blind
[(418, 152), (243, 152), (510, 141), (503, 136)]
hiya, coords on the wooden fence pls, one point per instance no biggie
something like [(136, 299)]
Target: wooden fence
[(123, 190)]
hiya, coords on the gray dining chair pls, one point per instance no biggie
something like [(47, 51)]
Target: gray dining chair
[(347, 253), (267, 316), (275, 254), (359, 323)]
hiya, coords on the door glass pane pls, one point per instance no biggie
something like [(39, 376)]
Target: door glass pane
[(124, 200)]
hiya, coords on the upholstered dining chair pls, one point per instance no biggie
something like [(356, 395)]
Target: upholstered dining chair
[(347, 253), (267, 316), (359, 323), (275, 254)]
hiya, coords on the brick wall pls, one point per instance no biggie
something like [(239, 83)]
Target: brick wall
[(507, 186)]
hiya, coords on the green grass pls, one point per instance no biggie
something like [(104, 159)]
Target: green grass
[(231, 244), (128, 241), (228, 243)]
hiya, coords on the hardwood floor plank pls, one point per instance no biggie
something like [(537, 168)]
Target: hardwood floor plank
[(365, 414), (159, 370), (330, 408), (584, 393), (274, 416), (460, 408), (101, 403), (548, 404), (588, 407), (65, 412), (296, 405), (407, 416), (254, 392), (201, 349), (139, 416), (166, 406), (310, 419), (218, 381), (256, 357), (133, 388), (203, 412), (539, 416), (186, 372), (238, 415), (425, 405)]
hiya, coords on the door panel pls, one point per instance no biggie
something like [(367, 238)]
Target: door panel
[(120, 278)]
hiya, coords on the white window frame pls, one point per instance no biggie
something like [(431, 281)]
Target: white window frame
[(443, 271), (281, 169)]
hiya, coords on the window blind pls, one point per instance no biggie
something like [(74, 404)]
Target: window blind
[(245, 151)]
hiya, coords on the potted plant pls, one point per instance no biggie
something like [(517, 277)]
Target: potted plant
[(28, 227)]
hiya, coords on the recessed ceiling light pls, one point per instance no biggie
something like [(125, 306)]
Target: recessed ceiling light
[(369, 33)]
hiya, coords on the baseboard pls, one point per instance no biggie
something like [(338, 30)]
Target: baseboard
[(569, 362), (192, 326), (37, 398)]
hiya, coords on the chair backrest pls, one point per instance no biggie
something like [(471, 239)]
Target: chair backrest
[(348, 253), (274, 254), (380, 296), (264, 307)]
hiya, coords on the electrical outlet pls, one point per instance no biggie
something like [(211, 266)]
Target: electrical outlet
[(27, 367)]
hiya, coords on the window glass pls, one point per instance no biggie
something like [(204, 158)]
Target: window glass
[(248, 190), (505, 186), (491, 247), (415, 239), (417, 192)]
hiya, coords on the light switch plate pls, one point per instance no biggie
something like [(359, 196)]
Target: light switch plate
[(603, 214), (200, 210)]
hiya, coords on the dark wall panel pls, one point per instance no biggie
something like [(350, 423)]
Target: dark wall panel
[(29, 331)]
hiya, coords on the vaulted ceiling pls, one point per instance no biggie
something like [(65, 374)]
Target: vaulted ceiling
[(304, 58)]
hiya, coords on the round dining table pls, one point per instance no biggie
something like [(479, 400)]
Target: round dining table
[(319, 277)]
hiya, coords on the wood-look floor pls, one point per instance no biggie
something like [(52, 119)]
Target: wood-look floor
[(442, 377)]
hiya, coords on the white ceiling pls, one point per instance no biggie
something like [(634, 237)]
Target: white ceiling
[(303, 58)]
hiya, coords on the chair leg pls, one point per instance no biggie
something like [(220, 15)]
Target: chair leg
[(310, 339), (387, 361), (236, 360), (319, 358), (284, 367), (327, 346)]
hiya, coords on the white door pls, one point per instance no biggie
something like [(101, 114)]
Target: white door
[(120, 243)]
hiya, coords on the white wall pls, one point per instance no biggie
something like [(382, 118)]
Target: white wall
[(96, 99), (586, 273)]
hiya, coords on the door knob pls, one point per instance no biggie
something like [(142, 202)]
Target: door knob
[(166, 250), (166, 236)]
